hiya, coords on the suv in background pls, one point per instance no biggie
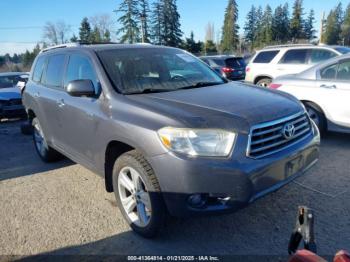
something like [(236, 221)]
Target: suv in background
[(230, 67), (164, 130), (275, 61)]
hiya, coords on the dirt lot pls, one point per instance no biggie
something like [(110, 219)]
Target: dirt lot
[(63, 208)]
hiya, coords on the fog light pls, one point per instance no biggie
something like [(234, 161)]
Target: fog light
[(197, 200)]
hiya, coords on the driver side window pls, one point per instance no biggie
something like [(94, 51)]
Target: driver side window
[(329, 73), (80, 68)]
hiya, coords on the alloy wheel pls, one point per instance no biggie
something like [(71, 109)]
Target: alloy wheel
[(134, 197), (39, 139)]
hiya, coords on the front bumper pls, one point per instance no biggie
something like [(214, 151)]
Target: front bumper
[(229, 184), (12, 111)]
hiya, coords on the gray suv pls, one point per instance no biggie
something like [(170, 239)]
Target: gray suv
[(164, 130)]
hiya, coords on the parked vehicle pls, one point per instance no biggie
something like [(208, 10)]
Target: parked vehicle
[(10, 95), (230, 67), (165, 131), (325, 91), (275, 61)]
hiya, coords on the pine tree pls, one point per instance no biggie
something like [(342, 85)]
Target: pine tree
[(210, 47), (333, 26), (267, 25), (74, 39), (96, 35), (144, 11), (296, 23), (171, 24), (250, 27), (85, 31), (129, 31), (345, 33), (156, 22), (107, 36), (230, 39), (192, 46), (277, 25), (309, 25), (259, 34), (285, 28)]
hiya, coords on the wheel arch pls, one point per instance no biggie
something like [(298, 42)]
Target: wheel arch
[(113, 151), (316, 106), (258, 78)]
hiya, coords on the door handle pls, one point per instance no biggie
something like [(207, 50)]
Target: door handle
[(37, 95), (60, 103), (329, 86)]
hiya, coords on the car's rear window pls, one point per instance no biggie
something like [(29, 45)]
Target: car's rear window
[(343, 50), (265, 57), (235, 62)]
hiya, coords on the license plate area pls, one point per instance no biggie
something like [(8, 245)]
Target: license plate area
[(294, 166)]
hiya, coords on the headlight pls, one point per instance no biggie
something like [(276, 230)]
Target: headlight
[(198, 142)]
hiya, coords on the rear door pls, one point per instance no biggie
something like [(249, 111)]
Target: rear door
[(48, 92), (293, 61), (334, 90)]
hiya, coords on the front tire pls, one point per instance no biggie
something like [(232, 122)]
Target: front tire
[(45, 152), (316, 114), (138, 195), (265, 82)]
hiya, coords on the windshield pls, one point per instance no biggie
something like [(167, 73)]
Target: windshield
[(343, 50), (156, 70)]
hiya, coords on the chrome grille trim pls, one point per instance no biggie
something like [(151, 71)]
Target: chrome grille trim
[(267, 138)]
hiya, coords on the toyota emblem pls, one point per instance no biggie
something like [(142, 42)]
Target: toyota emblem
[(288, 131)]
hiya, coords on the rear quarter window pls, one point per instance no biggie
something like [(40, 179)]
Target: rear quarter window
[(38, 69), (265, 57)]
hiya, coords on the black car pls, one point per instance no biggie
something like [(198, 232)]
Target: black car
[(232, 68)]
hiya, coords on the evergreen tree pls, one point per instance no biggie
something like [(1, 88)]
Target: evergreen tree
[(85, 31), (144, 11), (107, 36), (74, 39), (192, 46), (96, 35), (345, 33), (333, 26), (277, 25), (230, 39), (156, 22), (267, 25), (210, 47), (309, 25), (259, 35), (296, 23), (250, 27), (171, 24), (285, 23), (129, 31)]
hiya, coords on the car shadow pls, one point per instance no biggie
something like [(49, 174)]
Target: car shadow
[(18, 157)]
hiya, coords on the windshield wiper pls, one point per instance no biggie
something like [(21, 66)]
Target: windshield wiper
[(201, 84), (149, 90)]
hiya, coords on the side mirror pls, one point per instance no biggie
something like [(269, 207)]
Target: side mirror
[(21, 85), (81, 88)]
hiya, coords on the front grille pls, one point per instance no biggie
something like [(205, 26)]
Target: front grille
[(14, 102), (272, 137)]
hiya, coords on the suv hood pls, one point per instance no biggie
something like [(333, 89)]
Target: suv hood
[(10, 93), (244, 103)]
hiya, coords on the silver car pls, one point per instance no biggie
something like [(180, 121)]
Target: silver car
[(325, 91)]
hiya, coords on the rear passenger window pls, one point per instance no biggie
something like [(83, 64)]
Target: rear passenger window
[(319, 55), (80, 68), (54, 71), (296, 56), (265, 57), (344, 71), (38, 70)]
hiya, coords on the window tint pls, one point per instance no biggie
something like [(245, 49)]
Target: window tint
[(344, 71), (80, 67), (265, 57), (329, 72), (296, 56), (54, 71), (319, 55), (219, 62), (39, 68), (235, 62)]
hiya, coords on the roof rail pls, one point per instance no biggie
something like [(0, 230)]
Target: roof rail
[(60, 46), (287, 45)]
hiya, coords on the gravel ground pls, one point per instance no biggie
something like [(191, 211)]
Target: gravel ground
[(63, 208)]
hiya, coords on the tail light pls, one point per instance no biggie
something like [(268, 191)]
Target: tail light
[(275, 86), (247, 69), (227, 70)]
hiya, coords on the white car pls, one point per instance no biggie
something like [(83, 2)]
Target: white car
[(325, 91), (275, 61)]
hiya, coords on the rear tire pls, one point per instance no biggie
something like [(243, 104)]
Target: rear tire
[(45, 152), (317, 116), (138, 194), (264, 82)]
